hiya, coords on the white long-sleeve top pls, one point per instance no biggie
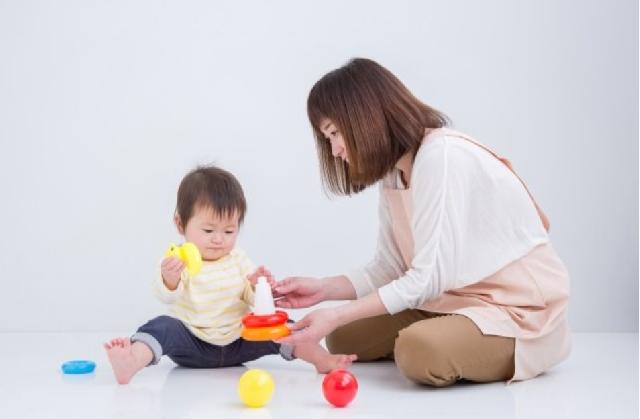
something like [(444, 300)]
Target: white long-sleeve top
[(471, 217)]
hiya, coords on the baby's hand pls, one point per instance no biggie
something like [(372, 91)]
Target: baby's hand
[(261, 271), (171, 269)]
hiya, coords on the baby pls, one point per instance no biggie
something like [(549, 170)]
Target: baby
[(203, 328)]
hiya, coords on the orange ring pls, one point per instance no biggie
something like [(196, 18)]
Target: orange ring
[(251, 320), (265, 333)]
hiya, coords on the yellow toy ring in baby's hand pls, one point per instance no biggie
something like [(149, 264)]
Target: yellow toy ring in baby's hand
[(189, 254)]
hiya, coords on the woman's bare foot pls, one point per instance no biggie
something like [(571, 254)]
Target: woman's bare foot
[(322, 359), (124, 360)]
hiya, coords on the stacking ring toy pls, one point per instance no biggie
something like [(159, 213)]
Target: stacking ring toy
[(251, 320), (265, 326), (78, 367), (187, 253), (265, 333)]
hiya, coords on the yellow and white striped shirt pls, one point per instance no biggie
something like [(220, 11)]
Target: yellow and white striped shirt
[(211, 304)]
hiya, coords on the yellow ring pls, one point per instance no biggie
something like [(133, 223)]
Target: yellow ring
[(265, 333)]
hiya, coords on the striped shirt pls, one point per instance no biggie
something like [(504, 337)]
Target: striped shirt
[(211, 304)]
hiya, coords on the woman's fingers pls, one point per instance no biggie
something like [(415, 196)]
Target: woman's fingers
[(298, 329), (295, 339), (301, 324), (283, 303), (275, 292), (286, 286), (288, 340)]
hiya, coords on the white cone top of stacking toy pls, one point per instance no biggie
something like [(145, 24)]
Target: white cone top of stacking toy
[(263, 299)]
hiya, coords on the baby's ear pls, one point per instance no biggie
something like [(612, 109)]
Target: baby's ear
[(178, 222)]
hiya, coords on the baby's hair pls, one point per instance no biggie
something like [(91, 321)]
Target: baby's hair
[(210, 187)]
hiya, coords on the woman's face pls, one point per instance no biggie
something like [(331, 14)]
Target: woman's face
[(331, 133)]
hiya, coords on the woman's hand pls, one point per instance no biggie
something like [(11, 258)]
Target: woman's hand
[(298, 292), (319, 323), (312, 327)]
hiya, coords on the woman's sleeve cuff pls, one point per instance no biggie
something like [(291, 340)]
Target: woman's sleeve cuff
[(391, 300)]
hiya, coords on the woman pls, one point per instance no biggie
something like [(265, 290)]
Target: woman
[(464, 283)]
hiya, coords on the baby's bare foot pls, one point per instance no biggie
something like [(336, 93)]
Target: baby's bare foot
[(122, 359), (334, 362)]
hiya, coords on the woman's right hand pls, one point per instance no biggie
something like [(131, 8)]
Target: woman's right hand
[(298, 292)]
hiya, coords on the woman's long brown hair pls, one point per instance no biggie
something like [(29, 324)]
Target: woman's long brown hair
[(378, 117)]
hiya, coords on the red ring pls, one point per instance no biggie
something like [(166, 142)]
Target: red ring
[(251, 320)]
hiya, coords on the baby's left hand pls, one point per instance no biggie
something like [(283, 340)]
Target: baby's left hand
[(261, 271)]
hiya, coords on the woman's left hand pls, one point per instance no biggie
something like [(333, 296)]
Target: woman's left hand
[(312, 327)]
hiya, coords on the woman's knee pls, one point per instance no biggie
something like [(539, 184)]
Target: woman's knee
[(370, 339), (422, 356), (355, 338), (339, 341)]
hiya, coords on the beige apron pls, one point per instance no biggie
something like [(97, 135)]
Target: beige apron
[(526, 300)]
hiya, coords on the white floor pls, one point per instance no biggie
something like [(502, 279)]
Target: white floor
[(600, 380)]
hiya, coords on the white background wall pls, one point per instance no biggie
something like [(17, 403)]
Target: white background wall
[(105, 105)]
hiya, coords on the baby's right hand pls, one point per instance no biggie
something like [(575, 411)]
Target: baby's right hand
[(171, 269)]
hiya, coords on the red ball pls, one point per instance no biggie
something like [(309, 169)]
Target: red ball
[(339, 387)]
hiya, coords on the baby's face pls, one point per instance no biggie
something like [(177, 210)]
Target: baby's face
[(215, 236)]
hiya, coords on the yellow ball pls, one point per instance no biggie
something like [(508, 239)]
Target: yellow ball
[(255, 388)]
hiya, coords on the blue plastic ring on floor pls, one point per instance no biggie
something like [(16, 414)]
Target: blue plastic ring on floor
[(78, 367)]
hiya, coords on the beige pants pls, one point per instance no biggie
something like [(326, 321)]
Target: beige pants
[(428, 348)]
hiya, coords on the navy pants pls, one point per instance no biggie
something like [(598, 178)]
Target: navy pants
[(166, 335)]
